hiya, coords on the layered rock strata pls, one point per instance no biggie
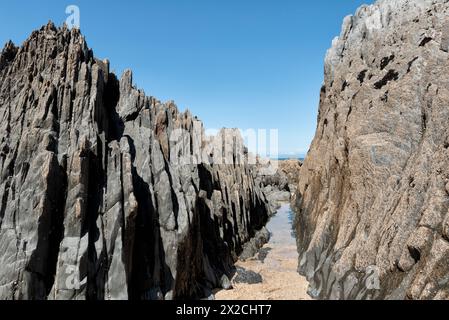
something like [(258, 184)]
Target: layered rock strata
[(107, 193)]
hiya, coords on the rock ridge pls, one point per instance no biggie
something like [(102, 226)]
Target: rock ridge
[(107, 193)]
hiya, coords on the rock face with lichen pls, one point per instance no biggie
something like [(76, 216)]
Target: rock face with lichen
[(107, 193), (373, 196)]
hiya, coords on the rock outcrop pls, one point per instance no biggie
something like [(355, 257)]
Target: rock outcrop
[(373, 197), (274, 182), (107, 193), (291, 168), (278, 179)]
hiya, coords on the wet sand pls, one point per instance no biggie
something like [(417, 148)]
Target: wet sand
[(277, 264)]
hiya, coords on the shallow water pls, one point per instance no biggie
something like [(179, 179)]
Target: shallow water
[(277, 263), (282, 232)]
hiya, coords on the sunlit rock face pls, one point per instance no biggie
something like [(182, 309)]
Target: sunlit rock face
[(373, 197), (107, 193)]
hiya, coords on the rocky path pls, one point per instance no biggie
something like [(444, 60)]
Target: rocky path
[(272, 274)]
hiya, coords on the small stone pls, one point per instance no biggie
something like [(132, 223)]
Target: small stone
[(247, 276), (169, 296), (225, 282)]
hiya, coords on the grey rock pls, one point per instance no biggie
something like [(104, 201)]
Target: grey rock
[(252, 247), (169, 296), (278, 179), (225, 282), (263, 254), (107, 193)]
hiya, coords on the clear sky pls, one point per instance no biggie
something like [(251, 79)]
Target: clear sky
[(234, 63)]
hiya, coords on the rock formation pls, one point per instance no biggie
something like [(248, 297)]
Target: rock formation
[(274, 182), (107, 193), (291, 168), (373, 197)]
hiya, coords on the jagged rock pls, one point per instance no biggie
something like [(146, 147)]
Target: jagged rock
[(291, 168), (372, 202), (278, 179), (107, 193)]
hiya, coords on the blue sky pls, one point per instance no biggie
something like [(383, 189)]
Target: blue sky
[(234, 63)]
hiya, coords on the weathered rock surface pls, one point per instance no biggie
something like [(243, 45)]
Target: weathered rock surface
[(291, 169), (279, 179), (107, 193), (373, 195)]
